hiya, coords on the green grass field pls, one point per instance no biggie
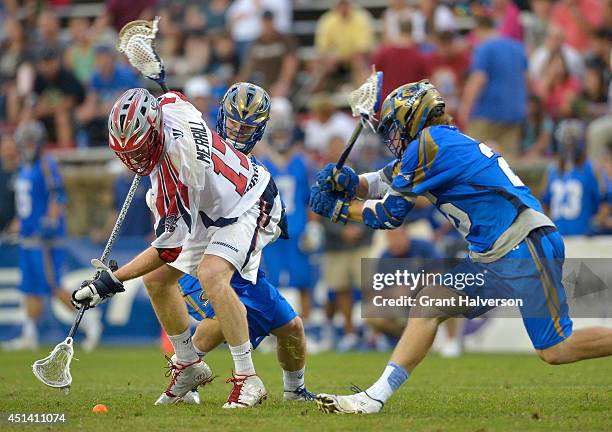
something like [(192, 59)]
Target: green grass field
[(473, 393)]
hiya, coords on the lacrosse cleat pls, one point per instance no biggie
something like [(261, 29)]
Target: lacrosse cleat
[(185, 377), (248, 391), (192, 397), (359, 403), (20, 344), (301, 394)]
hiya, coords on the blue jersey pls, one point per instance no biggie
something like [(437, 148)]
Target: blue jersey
[(472, 186), (574, 197), (294, 187), (37, 184)]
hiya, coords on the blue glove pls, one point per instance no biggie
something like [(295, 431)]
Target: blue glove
[(331, 205), (48, 228), (330, 179)]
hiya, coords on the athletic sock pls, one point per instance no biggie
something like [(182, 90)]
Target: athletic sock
[(391, 379), (243, 363), (29, 330), (293, 380), (183, 347)]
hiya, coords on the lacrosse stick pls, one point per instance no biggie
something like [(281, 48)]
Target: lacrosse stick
[(365, 103), (137, 42), (54, 370)]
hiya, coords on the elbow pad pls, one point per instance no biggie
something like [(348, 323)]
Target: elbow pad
[(387, 213), (169, 255)]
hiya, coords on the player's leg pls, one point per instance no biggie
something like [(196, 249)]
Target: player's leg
[(546, 314), (188, 371), (34, 289), (413, 346), (208, 336)]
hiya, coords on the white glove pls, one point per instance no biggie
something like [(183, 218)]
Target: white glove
[(312, 239), (102, 287)]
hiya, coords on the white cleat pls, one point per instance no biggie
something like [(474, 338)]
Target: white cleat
[(301, 394), (359, 403), (192, 397), (248, 391), (20, 344), (451, 349), (184, 378)]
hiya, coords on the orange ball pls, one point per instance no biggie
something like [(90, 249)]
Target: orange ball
[(100, 408)]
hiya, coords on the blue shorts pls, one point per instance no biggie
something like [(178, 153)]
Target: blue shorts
[(266, 308), (532, 272), (287, 265), (40, 270)]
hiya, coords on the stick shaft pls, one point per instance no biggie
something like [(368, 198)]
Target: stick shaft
[(120, 219), (77, 321), (349, 147)]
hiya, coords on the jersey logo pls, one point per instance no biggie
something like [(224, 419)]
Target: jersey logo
[(170, 223), (177, 133)]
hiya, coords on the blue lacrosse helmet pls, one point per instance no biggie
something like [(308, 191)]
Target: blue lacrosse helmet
[(244, 113)]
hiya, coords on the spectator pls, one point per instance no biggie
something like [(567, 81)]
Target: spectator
[(13, 53), (345, 245), (538, 129), (594, 95), (214, 12), (343, 38), (536, 24), (507, 16), (578, 19), (58, 92), (9, 162), (555, 43), (557, 88), (400, 61), (109, 80), (49, 32), (224, 62), (79, 56), (324, 123), (598, 75), (118, 13), (198, 91), (494, 103), (574, 189), (272, 61), (194, 57), (447, 66), (431, 17), (397, 10)]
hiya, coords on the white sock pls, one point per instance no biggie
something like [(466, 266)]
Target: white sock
[(391, 379), (29, 330), (183, 347), (293, 380), (243, 363)]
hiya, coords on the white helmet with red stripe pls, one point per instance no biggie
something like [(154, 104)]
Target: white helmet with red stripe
[(135, 130)]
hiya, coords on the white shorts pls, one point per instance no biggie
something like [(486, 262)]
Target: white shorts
[(240, 242)]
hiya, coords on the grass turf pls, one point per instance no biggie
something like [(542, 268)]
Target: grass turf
[(472, 393)]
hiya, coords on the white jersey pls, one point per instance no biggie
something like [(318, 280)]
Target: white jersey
[(200, 179)]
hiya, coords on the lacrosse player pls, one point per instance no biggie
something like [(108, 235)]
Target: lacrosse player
[(214, 210), (511, 241), (40, 201)]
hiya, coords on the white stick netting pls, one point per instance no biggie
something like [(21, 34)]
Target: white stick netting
[(54, 370), (364, 100), (136, 41)]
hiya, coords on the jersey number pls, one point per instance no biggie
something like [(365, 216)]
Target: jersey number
[(514, 179), (23, 198), (566, 199), (239, 180)]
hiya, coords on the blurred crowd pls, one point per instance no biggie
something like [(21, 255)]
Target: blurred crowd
[(531, 78)]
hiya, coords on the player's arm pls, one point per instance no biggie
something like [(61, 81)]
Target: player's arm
[(57, 198)]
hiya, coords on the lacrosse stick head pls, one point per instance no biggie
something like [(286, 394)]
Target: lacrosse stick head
[(54, 370), (405, 112), (365, 100), (137, 41)]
